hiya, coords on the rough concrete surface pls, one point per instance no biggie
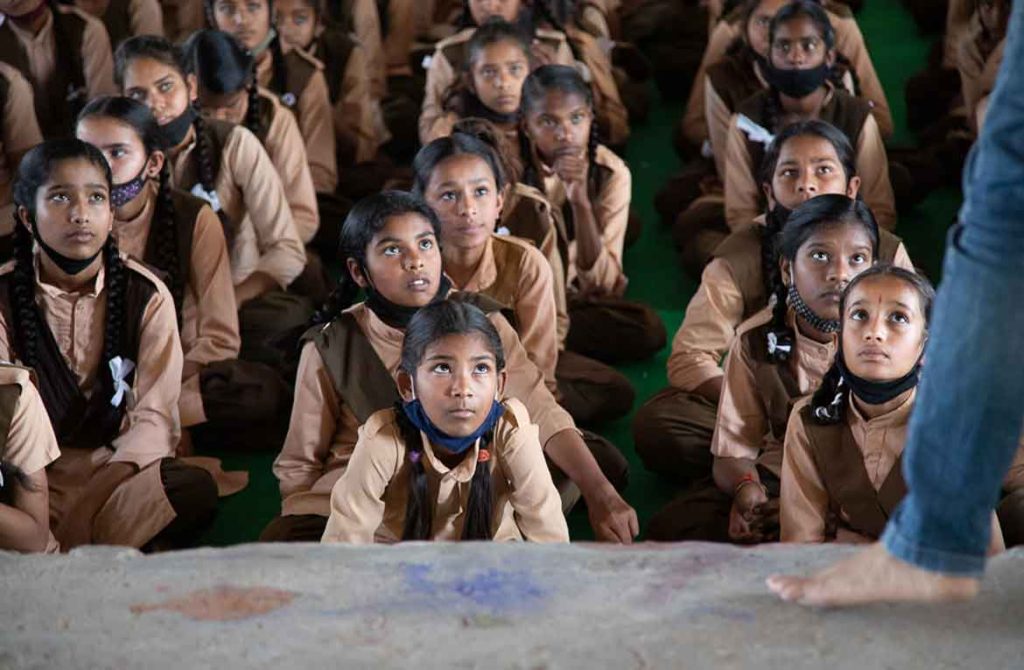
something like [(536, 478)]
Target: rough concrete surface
[(477, 605)]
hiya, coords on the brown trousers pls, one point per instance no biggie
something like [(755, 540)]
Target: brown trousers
[(269, 327), (591, 391), (247, 407), (1011, 518), (701, 513), (192, 493), (310, 527), (697, 232), (672, 433), (614, 330)]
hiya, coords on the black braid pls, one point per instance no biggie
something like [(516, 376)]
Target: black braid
[(828, 404), (477, 525), (116, 284), (24, 311), (841, 67), (418, 508), (773, 111), (279, 77), (769, 245), (165, 227), (778, 329), (593, 173), (72, 63), (341, 298), (253, 119), (530, 175), (204, 152)]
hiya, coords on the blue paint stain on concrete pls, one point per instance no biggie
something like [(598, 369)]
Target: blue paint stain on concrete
[(492, 589)]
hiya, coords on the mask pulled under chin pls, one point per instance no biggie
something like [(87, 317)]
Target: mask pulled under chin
[(414, 411), (804, 310), (795, 83), (122, 194), (174, 131), (878, 393), (69, 266), (395, 315)]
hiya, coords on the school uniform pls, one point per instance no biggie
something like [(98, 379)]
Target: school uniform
[(448, 61), (743, 193), (368, 504), (978, 64), (27, 443), (307, 97), (602, 324), (347, 372), (849, 42), (164, 500), (610, 114), (261, 234), (958, 18), (128, 18), (181, 18), (673, 430), (757, 397), (60, 89), (19, 132)]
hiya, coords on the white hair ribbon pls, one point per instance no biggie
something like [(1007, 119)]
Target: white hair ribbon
[(120, 368), (209, 196), (773, 344), (755, 132)]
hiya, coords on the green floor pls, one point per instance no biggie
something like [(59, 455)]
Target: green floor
[(655, 278)]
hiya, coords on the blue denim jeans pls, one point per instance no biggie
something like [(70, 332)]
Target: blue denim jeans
[(970, 408)]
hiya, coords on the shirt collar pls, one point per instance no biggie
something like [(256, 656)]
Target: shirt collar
[(57, 292), (463, 472)]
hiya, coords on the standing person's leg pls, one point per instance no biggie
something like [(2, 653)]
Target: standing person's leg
[(967, 420)]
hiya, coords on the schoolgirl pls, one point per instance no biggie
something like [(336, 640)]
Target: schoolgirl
[(19, 132), (779, 355), (125, 18), (455, 459), (348, 366), (100, 332)]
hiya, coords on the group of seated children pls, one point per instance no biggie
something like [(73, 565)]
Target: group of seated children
[(225, 235)]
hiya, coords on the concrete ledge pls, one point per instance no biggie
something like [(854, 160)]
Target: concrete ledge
[(477, 605)]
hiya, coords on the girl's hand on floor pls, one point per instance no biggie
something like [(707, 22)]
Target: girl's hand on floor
[(743, 514), (612, 519)]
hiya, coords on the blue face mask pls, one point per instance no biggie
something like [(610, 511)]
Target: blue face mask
[(457, 445)]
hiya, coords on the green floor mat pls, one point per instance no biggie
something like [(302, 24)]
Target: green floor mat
[(656, 279)]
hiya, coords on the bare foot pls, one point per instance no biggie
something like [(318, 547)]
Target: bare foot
[(872, 576)]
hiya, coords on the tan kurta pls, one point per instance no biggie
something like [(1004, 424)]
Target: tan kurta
[(146, 18), (366, 26), (441, 74), (138, 509), (368, 503), (849, 42), (316, 122), (712, 318), (31, 445), (611, 209), (251, 196), (401, 33), (322, 431), (97, 58), (209, 315), (718, 117), (287, 152), (977, 69), (805, 502), (743, 428), (527, 286), (19, 132), (743, 192)]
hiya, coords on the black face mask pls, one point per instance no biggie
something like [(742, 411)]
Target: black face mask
[(795, 83), (819, 323), (174, 131), (67, 265), (395, 315), (877, 393)]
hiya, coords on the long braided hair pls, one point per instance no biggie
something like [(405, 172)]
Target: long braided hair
[(33, 173), (568, 81), (139, 118), (278, 68), (774, 222), (828, 404), (430, 324), (816, 213), (223, 66)]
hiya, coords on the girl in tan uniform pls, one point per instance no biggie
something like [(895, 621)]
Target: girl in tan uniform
[(27, 447), (455, 460), (462, 179), (19, 132), (125, 18), (348, 366), (802, 54), (180, 235), (779, 355), (841, 474), (100, 331), (673, 430), (226, 165), (62, 51), (591, 186), (295, 77)]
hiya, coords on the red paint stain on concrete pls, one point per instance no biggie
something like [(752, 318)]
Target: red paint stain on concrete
[(222, 603)]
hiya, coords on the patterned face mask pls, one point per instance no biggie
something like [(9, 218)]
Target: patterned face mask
[(122, 194)]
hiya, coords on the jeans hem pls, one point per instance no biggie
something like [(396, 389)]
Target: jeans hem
[(933, 560)]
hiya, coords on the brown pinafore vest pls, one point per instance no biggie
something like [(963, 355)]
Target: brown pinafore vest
[(334, 48), (843, 111), (775, 382), (186, 211), (78, 421), (58, 104), (742, 253), (216, 134), (298, 72), (733, 77), (528, 215), (850, 492), (118, 21), (357, 373)]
